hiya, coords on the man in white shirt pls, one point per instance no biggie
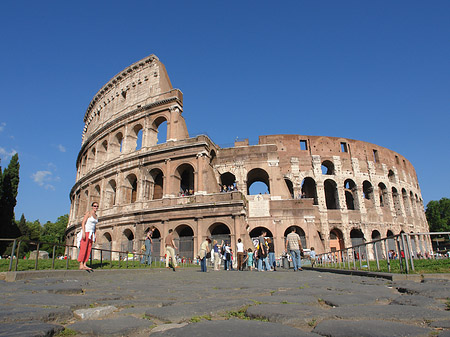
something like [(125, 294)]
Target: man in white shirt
[(240, 255)]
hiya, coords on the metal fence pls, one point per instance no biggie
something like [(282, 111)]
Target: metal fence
[(404, 248), (104, 254)]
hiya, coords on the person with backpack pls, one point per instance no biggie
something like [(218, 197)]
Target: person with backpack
[(294, 246)]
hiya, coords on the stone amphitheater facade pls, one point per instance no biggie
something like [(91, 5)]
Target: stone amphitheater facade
[(336, 191)]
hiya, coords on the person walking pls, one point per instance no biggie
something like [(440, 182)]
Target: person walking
[(250, 259), (262, 250), (88, 227), (272, 261), (216, 249), (148, 247), (170, 250), (294, 246), (240, 255), (227, 255), (203, 253)]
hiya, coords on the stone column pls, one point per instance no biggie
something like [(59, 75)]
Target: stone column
[(167, 179)]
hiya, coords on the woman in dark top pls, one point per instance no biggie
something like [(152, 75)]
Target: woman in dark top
[(272, 261)]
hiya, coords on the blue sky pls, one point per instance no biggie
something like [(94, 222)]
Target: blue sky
[(374, 71)]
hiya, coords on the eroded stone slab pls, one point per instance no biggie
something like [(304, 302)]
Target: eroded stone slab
[(111, 327), (94, 313), (33, 328), (368, 328), (234, 327)]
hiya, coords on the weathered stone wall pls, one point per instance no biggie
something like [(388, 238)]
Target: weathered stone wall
[(329, 188)]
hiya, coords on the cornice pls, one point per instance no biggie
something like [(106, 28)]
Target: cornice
[(117, 78), (136, 156)]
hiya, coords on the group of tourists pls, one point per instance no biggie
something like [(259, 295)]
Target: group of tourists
[(228, 188), (261, 256)]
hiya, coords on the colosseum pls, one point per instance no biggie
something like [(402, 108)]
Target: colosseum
[(138, 161)]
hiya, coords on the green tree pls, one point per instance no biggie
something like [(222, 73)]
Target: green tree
[(438, 215), (35, 230), (54, 233), (8, 198), (22, 224)]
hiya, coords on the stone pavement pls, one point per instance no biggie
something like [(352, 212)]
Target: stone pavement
[(160, 302)]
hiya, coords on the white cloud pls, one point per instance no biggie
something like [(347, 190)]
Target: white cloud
[(5, 154), (61, 148), (44, 179), (2, 126)]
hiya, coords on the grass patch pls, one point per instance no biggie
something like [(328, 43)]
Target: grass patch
[(147, 317), (447, 304), (312, 323), (422, 266), (66, 332), (24, 265), (196, 319), (241, 313)]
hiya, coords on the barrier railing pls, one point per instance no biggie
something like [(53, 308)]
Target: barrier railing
[(121, 257), (404, 248)]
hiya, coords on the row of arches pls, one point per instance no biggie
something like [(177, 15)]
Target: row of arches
[(130, 189), (126, 139), (184, 237), (328, 168)]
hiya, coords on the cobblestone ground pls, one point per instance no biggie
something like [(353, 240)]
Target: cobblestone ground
[(160, 302)]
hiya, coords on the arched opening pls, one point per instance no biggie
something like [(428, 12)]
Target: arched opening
[(138, 135), (220, 232), (102, 152), (390, 240), (119, 142), (367, 190), (336, 240), (300, 233), (227, 182), (350, 193), (331, 197), (212, 157), (406, 203), (92, 158), (110, 194), (158, 184), (327, 167), (106, 243), (309, 189), (127, 240), (96, 195), (356, 236), (391, 176), (84, 164), (131, 189), (156, 242), (382, 192), (379, 248), (290, 187), (84, 202), (161, 130), (185, 173), (185, 241), (257, 231), (397, 202), (258, 182), (413, 204)]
